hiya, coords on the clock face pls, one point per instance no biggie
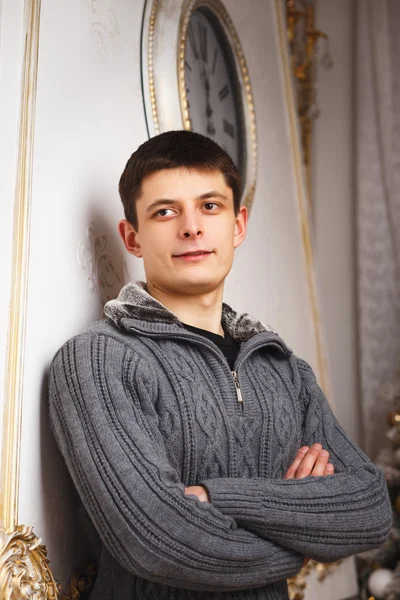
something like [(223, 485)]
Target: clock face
[(212, 85)]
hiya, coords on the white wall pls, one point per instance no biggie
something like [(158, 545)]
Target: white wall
[(334, 197)]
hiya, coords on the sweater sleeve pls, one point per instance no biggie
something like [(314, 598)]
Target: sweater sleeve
[(326, 518), (134, 497)]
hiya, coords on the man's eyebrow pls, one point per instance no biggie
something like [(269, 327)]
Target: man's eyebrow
[(163, 201), (158, 202), (213, 194)]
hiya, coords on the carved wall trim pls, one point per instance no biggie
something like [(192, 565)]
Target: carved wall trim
[(12, 423), (24, 567)]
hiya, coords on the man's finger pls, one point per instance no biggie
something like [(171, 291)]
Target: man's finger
[(198, 491), (293, 467), (320, 464), (329, 469), (307, 464)]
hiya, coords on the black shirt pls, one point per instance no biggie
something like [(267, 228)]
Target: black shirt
[(227, 344)]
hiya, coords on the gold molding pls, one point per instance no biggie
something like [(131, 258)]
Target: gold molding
[(24, 566), (301, 196), (302, 50), (12, 423), (220, 11), (24, 570)]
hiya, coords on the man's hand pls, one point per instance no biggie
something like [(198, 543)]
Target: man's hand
[(310, 461), (199, 491)]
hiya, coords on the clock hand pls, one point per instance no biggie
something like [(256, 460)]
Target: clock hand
[(209, 111)]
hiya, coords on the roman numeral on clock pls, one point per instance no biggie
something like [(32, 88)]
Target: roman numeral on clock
[(223, 92), (203, 41), (214, 60), (229, 129)]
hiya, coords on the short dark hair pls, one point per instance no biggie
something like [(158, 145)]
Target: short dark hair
[(171, 150)]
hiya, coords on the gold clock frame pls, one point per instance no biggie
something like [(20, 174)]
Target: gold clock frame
[(161, 86)]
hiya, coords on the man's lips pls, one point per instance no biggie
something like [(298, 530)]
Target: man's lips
[(194, 253), (195, 256)]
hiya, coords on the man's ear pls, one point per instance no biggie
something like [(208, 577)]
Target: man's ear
[(130, 238), (240, 226)]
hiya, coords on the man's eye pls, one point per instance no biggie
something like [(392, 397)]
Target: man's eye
[(162, 210), (208, 204)]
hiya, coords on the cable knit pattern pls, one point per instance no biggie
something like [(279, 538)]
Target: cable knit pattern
[(246, 433), (141, 407)]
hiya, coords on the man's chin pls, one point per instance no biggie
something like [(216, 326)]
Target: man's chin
[(195, 285)]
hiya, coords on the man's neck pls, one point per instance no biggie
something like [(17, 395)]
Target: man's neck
[(203, 311)]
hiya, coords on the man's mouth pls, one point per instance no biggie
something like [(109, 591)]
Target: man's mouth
[(195, 253), (195, 256)]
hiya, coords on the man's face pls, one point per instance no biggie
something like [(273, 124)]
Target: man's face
[(182, 211)]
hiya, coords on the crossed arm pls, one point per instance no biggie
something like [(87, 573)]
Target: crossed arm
[(322, 515), (308, 462)]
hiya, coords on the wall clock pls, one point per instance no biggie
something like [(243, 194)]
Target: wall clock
[(195, 76)]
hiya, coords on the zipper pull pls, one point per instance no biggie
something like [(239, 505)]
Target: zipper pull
[(238, 390)]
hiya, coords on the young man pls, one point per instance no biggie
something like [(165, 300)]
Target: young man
[(197, 441)]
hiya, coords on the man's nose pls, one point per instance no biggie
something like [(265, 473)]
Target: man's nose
[(191, 226)]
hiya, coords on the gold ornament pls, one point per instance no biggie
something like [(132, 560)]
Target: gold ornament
[(298, 584), (24, 567), (80, 584)]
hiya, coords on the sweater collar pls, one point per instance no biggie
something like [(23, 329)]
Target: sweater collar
[(136, 308)]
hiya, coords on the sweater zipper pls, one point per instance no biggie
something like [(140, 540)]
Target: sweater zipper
[(203, 341), (238, 390)]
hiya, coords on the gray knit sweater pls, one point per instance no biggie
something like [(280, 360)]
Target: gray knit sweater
[(142, 407)]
